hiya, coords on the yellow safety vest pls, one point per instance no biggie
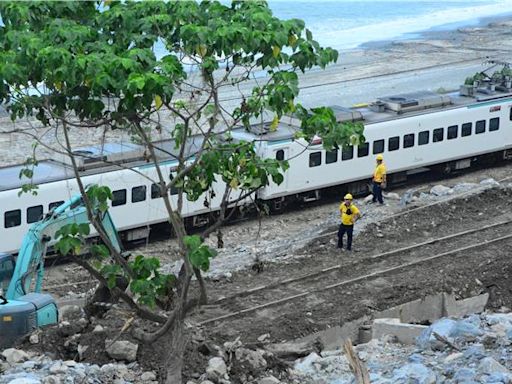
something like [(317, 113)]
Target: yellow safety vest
[(380, 171), (347, 216)]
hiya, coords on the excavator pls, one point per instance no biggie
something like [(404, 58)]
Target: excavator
[(23, 307)]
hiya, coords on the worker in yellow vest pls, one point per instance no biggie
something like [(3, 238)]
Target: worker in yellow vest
[(379, 179), (349, 215)]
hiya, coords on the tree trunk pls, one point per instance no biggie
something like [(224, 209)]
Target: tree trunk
[(176, 339)]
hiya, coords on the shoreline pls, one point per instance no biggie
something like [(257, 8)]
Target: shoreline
[(439, 32)]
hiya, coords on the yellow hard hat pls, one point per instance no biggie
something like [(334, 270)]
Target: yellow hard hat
[(348, 196), (380, 157)]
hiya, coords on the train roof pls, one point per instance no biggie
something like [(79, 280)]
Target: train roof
[(111, 156), (423, 103)]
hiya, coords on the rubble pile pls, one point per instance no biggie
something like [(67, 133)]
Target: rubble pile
[(475, 349), (20, 367)]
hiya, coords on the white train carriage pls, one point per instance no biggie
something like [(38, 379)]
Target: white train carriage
[(415, 132), (136, 203)]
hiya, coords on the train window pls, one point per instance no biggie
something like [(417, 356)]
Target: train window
[(510, 113), (409, 140), (12, 218), (118, 197), (155, 191), (363, 150), (423, 137), (55, 204), (494, 124), (315, 159), (347, 152), (393, 143), (480, 127), (173, 190), (466, 129), (331, 156), (280, 155), (34, 214), (138, 194), (378, 146), (452, 132), (438, 135)]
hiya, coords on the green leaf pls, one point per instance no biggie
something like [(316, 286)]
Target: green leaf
[(84, 229)]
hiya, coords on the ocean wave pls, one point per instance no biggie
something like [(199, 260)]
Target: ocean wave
[(340, 32)]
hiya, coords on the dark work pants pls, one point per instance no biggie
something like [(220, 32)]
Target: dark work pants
[(377, 193), (349, 229)]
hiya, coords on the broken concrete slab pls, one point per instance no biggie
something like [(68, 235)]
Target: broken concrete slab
[(334, 337), (404, 332), (433, 307), (427, 309), (464, 307)]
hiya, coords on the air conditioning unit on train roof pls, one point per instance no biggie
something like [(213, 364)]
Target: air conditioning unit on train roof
[(105, 155), (344, 114), (415, 101)]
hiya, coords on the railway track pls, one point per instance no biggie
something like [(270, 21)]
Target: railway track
[(349, 274)]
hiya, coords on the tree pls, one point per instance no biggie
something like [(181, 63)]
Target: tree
[(84, 65)]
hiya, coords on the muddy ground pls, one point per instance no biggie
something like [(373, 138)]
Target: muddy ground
[(487, 269)]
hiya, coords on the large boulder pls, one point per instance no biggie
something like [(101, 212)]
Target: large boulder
[(122, 350), (269, 380), (148, 376), (253, 358), (24, 380), (489, 366), (216, 368), (449, 330), (490, 181), (71, 312), (440, 190), (14, 356), (414, 373)]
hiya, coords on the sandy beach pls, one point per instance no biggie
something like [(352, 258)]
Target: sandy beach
[(437, 60)]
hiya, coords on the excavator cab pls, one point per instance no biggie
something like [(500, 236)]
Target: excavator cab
[(6, 270), (23, 315)]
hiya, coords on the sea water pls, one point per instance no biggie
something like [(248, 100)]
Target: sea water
[(346, 24)]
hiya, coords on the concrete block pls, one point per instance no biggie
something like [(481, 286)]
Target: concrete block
[(334, 337), (404, 332), (428, 309), (460, 308)]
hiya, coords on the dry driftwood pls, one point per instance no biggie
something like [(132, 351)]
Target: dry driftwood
[(446, 341), (358, 367)]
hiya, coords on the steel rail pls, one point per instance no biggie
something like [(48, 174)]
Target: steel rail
[(345, 265), (362, 277)]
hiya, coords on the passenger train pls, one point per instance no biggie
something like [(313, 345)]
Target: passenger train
[(415, 132)]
